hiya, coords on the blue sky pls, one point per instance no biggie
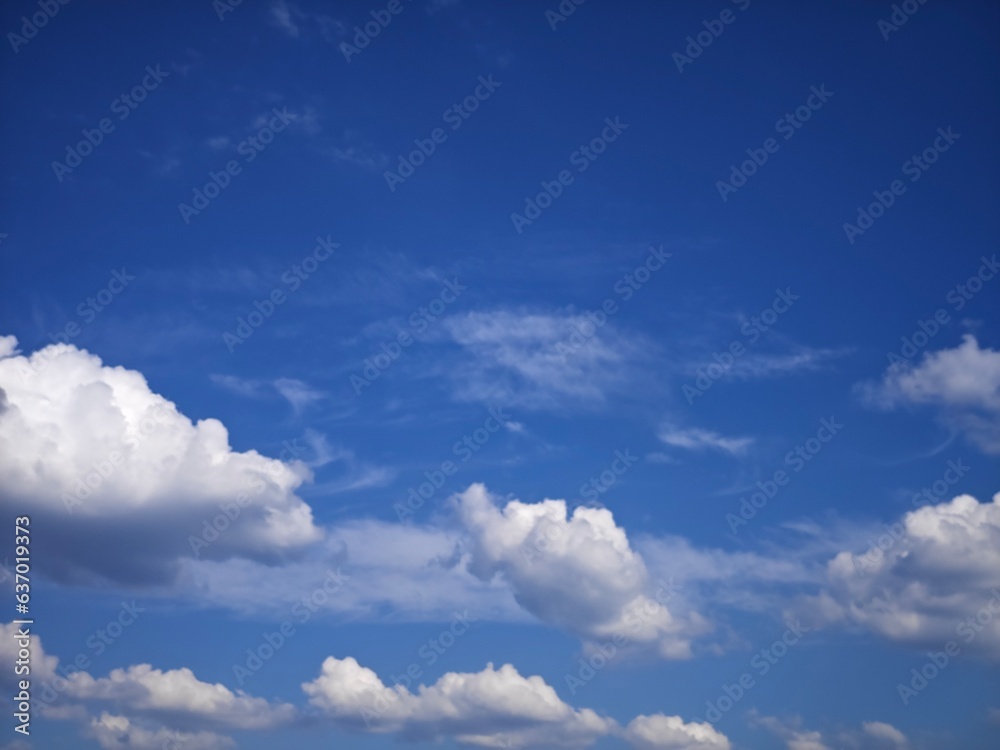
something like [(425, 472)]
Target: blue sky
[(501, 335)]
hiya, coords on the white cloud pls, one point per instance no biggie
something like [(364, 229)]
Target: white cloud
[(496, 707), (696, 439), (122, 480), (658, 732), (575, 571), (143, 699), (882, 731), (962, 383), (539, 360), (404, 573), (791, 731), (8, 346), (474, 708), (43, 666), (520, 562), (876, 735), (938, 573), (178, 693), (118, 733), (491, 708)]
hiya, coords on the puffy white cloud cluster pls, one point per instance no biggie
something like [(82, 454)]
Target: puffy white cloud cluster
[(492, 708), (147, 706), (932, 577), (475, 708), (576, 571), (659, 732), (122, 480), (119, 733), (177, 692)]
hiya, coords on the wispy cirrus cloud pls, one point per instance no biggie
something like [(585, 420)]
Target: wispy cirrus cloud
[(697, 439), (541, 360), (284, 15), (800, 359), (298, 393)]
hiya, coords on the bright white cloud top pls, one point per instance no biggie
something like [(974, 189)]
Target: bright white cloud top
[(932, 577), (125, 484)]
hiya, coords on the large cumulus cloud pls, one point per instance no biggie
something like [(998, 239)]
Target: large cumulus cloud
[(121, 480), (931, 577), (577, 571)]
